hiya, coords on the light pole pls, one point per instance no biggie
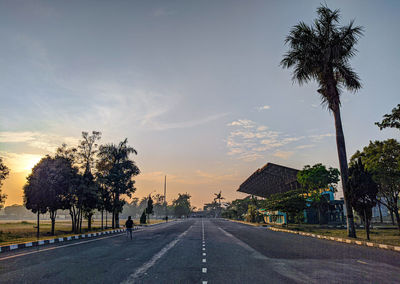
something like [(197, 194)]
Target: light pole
[(165, 199)]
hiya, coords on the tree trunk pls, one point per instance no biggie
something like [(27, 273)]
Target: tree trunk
[(102, 212), (53, 215), (80, 220), (90, 221), (38, 222), (116, 219), (113, 219), (341, 148), (366, 224), (391, 216), (396, 213), (72, 220), (380, 212), (106, 220)]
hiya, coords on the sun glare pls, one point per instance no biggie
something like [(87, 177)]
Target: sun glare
[(31, 162), (22, 162)]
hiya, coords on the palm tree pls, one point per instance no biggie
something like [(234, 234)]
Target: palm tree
[(218, 196), (321, 52), (117, 172)]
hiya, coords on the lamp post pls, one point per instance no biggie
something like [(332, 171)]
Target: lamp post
[(165, 199)]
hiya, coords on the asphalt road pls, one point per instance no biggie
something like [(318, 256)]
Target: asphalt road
[(201, 251)]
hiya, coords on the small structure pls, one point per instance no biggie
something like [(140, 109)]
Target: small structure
[(272, 179)]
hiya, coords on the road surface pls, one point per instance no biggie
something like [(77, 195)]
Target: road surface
[(201, 251)]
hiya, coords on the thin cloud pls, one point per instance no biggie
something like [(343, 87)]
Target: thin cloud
[(263, 108), (283, 154), (319, 137), (305, 146), (249, 141), (42, 141)]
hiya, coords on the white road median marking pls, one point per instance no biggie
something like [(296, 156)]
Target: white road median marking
[(204, 260), (204, 254), (141, 270), (204, 270), (204, 248)]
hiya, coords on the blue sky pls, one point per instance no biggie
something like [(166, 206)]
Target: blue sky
[(195, 86)]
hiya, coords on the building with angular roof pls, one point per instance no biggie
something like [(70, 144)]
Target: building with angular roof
[(270, 179)]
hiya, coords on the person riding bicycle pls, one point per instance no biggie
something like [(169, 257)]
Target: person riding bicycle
[(129, 227)]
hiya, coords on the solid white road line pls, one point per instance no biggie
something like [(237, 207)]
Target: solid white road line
[(63, 246), (131, 278)]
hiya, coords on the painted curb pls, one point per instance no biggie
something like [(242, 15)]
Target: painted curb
[(59, 240), (347, 241)]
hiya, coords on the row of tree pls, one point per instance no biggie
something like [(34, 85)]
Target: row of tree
[(82, 179), (4, 172)]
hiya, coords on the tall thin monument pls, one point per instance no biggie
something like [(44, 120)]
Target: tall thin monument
[(165, 199)]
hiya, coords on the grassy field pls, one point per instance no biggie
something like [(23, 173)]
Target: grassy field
[(389, 236), (12, 232)]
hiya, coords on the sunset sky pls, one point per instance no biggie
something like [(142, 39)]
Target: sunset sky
[(195, 86)]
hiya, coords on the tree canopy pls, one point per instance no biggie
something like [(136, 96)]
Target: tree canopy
[(117, 171), (382, 160), (48, 186), (391, 120), (363, 192), (182, 205), (4, 172)]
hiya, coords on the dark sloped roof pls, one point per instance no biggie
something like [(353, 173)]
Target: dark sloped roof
[(270, 179)]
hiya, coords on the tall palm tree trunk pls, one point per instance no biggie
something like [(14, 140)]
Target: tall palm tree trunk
[(341, 148)]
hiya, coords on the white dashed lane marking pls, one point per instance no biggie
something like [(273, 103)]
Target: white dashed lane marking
[(204, 260)]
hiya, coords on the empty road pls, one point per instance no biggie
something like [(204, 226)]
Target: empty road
[(201, 251)]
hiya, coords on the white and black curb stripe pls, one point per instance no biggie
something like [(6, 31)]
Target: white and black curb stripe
[(59, 240), (342, 240)]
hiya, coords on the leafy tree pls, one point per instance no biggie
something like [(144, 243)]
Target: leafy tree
[(218, 196), (75, 194), (382, 160), (149, 208), (316, 179), (4, 172), (212, 208), (143, 217), (292, 203), (182, 205), (159, 205), (363, 191), (391, 120), (47, 186), (86, 154), (251, 213), (104, 199), (131, 208), (321, 52), (117, 173), (238, 208)]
